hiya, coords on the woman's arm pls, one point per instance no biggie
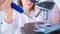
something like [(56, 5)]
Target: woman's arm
[(7, 14)]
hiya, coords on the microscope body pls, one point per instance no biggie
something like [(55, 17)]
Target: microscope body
[(45, 26)]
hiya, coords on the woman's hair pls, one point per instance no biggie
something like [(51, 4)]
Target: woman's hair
[(20, 4)]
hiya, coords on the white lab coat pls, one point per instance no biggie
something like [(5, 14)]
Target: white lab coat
[(19, 19)]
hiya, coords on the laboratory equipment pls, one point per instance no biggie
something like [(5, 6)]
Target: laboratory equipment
[(44, 6), (45, 26), (16, 7)]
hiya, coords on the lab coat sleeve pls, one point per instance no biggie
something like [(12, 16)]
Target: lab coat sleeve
[(5, 26)]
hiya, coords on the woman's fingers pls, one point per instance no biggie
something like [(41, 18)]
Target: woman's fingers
[(1, 2), (6, 4)]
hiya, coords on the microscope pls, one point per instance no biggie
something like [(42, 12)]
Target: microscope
[(45, 6), (45, 26)]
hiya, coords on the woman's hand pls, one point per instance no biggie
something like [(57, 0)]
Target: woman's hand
[(7, 14)]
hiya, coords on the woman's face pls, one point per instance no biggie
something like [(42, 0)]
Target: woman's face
[(27, 4)]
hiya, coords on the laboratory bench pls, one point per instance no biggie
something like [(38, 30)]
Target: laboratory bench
[(28, 29)]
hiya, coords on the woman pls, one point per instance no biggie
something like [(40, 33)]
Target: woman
[(13, 20)]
